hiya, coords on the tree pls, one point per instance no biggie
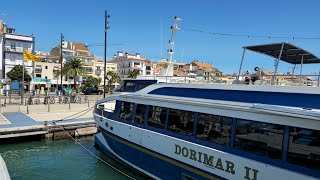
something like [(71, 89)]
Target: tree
[(92, 82), (74, 68), (134, 73), (112, 77), (56, 75), (15, 74)]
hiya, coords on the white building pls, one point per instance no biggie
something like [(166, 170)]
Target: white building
[(99, 69), (12, 46), (126, 63)]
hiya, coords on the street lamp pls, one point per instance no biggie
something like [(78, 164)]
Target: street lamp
[(106, 27), (61, 56)]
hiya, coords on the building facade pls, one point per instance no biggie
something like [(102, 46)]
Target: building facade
[(77, 50), (126, 63), (99, 69), (13, 46), (204, 70)]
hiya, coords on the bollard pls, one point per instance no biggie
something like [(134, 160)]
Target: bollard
[(25, 101), (48, 106), (27, 109), (88, 104), (69, 103)]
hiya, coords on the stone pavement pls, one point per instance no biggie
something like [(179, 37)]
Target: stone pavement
[(15, 116)]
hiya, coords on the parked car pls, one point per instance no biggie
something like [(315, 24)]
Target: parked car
[(91, 90)]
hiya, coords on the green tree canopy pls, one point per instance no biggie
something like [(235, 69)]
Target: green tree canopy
[(112, 77), (56, 74), (15, 74), (134, 73), (74, 68), (92, 82)]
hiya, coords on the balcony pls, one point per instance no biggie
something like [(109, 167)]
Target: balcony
[(17, 62), (16, 49), (88, 63)]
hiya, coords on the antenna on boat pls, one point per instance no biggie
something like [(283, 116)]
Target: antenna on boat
[(171, 43)]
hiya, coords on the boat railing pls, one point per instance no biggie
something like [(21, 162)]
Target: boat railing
[(250, 79)]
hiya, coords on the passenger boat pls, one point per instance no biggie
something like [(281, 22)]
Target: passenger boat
[(218, 131)]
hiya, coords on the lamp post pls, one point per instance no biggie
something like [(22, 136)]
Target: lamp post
[(61, 57), (106, 27)]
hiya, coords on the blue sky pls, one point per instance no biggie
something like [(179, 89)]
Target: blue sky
[(135, 25)]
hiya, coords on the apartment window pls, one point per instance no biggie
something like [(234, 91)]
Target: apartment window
[(13, 45), (46, 77), (129, 64), (304, 147), (181, 121), (25, 46), (38, 69), (46, 67), (126, 111), (140, 111), (38, 75), (212, 128), (157, 117), (259, 138)]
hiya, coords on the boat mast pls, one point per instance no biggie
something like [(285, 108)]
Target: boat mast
[(171, 43)]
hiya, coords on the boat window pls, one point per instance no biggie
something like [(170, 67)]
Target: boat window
[(304, 147), (109, 106), (214, 128), (259, 138), (181, 121), (140, 111), (126, 111), (129, 86), (157, 117), (142, 85)]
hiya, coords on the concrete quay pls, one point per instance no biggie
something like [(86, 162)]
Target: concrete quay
[(18, 122)]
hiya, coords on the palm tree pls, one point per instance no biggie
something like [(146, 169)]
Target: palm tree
[(112, 77), (134, 73), (74, 68)]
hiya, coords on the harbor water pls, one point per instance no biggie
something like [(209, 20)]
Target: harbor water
[(61, 159)]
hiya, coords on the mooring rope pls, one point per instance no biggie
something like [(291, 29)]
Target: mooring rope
[(83, 113), (66, 118)]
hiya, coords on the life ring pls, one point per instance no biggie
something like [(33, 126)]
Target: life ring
[(256, 69)]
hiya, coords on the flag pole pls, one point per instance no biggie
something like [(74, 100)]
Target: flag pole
[(22, 83)]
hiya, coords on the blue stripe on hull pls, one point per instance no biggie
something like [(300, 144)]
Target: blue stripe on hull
[(150, 163), (273, 98)]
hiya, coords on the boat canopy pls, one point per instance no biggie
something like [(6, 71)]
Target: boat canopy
[(290, 53), (282, 51)]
